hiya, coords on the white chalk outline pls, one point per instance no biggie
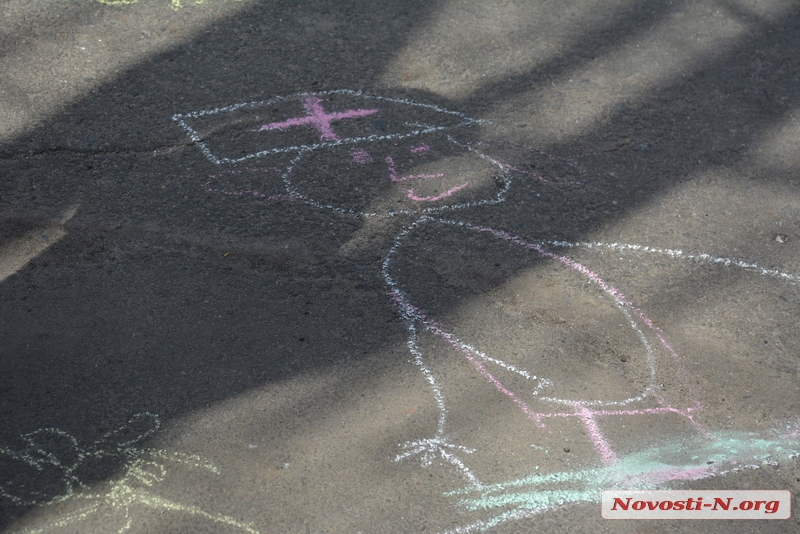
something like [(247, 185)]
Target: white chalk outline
[(197, 139), (439, 445), (701, 258), (677, 254), (413, 316), (649, 356), (140, 466), (500, 195)]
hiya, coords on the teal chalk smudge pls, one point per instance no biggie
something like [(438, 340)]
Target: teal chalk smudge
[(657, 468)]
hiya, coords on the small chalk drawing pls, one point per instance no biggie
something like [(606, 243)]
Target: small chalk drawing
[(59, 458), (368, 156)]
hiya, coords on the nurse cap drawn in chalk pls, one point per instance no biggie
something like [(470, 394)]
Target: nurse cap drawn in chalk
[(506, 368), (346, 151)]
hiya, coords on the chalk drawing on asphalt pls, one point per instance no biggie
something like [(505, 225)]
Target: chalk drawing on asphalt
[(247, 182), (351, 129), (588, 412), (318, 119), (401, 181), (175, 4), (349, 149), (710, 454), (704, 456), (308, 121), (54, 456)]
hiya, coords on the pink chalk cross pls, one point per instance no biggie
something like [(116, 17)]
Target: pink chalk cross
[(318, 118)]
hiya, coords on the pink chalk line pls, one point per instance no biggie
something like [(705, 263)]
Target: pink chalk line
[(318, 118), (446, 194), (361, 156), (436, 329), (395, 178), (183, 120), (598, 439), (614, 292), (668, 475), (421, 148), (587, 416)]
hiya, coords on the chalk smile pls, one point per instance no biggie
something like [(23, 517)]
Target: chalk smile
[(446, 194)]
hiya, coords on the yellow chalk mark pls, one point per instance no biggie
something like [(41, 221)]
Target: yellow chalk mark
[(122, 496), (141, 467)]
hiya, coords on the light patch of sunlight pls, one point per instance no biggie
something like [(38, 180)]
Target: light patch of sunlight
[(721, 212), (373, 231), (471, 56), (778, 147), (769, 10), (145, 474), (466, 46), (17, 253), (63, 53), (680, 43), (471, 180), (289, 438)]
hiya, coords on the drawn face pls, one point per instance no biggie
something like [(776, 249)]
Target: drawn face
[(416, 175)]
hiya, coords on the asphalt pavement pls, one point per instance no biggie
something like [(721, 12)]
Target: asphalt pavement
[(353, 266)]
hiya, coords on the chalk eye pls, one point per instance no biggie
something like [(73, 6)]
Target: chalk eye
[(420, 148), (361, 156)]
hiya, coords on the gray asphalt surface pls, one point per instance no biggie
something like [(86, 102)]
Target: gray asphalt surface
[(395, 266)]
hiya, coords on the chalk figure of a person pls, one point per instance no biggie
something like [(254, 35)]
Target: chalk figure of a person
[(521, 347)]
